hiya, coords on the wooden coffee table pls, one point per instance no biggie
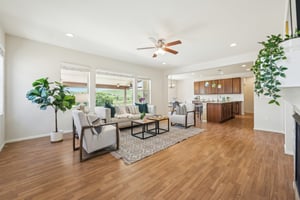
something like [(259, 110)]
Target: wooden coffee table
[(157, 119), (145, 132)]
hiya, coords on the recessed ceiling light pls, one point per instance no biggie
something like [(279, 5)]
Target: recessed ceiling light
[(220, 72), (232, 44), (243, 65), (69, 35), (164, 63), (248, 69)]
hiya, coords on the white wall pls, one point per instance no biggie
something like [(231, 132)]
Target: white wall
[(289, 129), (185, 90), (172, 92), (2, 127), (29, 60), (268, 117)]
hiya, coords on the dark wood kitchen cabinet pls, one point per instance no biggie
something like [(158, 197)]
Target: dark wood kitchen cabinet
[(219, 112), (228, 86), (237, 107), (202, 87), (236, 86), (197, 88), (222, 86)]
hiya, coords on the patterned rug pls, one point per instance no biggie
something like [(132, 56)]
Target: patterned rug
[(133, 149)]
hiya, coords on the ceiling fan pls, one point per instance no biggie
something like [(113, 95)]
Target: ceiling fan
[(161, 46)]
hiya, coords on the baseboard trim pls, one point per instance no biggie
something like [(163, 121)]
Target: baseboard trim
[(287, 151), (34, 137), (2, 146), (268, 130), (296, 191)]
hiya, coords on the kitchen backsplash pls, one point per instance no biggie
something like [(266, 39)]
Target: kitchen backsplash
[(219, 97)]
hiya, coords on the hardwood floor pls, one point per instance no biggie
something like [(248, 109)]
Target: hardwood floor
[(227, 161)]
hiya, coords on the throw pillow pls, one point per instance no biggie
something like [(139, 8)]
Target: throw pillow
[(94, 120), (130, 109), (122, 110), (181, 109), (136, 110), (143, 107), (112, 109)]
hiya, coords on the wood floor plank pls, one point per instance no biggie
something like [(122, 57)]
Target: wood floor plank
[(227, 161)]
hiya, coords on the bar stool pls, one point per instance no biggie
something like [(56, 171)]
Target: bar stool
[(199, 110)]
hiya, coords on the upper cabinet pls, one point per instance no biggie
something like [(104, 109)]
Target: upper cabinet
[(196, 88), (236, 85), (202, 87), (222, 86), (228, 86)]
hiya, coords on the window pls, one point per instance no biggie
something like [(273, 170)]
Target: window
[(77, 81), (113, 89), (144, 90), (1, 82)]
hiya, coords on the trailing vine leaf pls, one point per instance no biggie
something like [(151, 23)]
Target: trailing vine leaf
[(266, 69)]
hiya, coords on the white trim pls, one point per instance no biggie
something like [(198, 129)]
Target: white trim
[(296, 191), (269, 130), (104, 72), (2, 146), (2, 50), (34, 137), (77, 67), (287, 151)]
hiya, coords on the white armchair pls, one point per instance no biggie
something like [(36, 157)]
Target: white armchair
[(93, 137), (183, 115)]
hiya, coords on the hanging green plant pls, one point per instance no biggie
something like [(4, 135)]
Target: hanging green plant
[(266, 69)]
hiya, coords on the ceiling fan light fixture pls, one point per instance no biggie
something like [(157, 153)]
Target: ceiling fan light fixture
[(161, 47), (160, 51)]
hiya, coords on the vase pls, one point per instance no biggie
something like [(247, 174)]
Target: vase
[(56, 136)]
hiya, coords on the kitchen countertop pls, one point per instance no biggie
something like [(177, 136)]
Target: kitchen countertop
[(220, 102)]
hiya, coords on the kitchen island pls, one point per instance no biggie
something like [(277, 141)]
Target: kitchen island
[(222, 111)]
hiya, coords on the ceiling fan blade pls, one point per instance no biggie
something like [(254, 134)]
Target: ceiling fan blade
[(146, 48), (153, 40), (170, 50), (173, 43)]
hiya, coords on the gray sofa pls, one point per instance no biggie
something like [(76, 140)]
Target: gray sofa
[(124, 114)]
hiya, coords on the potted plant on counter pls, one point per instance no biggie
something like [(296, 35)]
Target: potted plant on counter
[(53, 94)]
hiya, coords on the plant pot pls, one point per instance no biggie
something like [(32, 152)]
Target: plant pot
[(56, 136)]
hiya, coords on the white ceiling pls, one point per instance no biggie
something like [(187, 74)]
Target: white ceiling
[(231, 71), (115, 28)]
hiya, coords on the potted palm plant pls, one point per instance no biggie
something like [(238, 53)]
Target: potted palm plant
[(51, 94)]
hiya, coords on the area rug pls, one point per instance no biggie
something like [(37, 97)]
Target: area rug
[(132, 149)]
